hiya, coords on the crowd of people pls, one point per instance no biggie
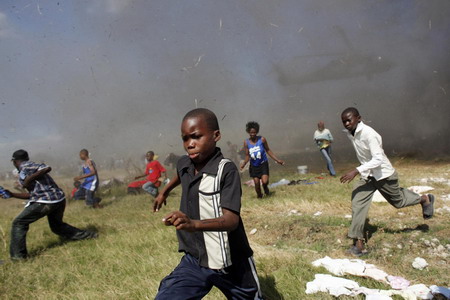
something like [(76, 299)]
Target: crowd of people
[(208, 223)]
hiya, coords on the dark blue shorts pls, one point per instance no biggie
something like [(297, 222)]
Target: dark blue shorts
[(189, 280)]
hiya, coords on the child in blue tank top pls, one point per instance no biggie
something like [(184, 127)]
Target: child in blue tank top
[(90, 183), (256, 151)]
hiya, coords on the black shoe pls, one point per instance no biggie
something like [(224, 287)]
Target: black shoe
[(356, 252)]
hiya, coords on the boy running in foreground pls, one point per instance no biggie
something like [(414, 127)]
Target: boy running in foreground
[(376, 173), (45, 198), (209, 228)]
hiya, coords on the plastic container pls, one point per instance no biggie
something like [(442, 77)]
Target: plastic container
[(302, 169)]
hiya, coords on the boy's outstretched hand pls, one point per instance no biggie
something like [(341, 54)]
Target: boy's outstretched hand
[(159, 200), (180, 221), (280, 162), (349, 176)]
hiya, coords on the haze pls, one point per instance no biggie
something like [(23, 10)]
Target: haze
[(117, 76)]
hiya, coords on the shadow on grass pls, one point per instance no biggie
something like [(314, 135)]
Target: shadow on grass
[(60, 242), (421, 227), (269, 288), (370, 229)]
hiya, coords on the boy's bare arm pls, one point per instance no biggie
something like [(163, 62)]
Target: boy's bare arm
[(162, 197), (35, 176), (271, 154), (19, 195), (227, 222)]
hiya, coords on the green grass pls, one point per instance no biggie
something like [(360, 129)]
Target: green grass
[(135, 251)]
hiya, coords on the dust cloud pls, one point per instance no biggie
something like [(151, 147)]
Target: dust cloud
[(116, 76)]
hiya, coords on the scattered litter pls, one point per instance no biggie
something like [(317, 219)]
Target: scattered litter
[(436, 290), (348, 216), (250, 183), (318, 213), (294, 212), (253, 231), (419, 263), (445, 197), (337, 286), (111, 182), (420, 189), (401, 213), (397, 282), (355, 267), (302, 181), (435, 180), (443, 209), (377, 197), (281, 182), (329, 284)]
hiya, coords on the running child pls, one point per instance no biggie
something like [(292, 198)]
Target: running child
[(209, 227), (376, 173), (256, 150), (45, 198), (91, 182)]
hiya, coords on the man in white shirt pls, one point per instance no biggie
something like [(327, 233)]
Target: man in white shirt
[(376, 173), (323, 139)]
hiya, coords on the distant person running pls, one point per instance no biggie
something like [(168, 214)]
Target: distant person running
[(323, 139), (376, 173), (91, 182), (45, 198), (209, 226), (153, 171), (256, 150)]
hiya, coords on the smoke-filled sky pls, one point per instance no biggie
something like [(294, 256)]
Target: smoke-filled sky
[(117, 76)]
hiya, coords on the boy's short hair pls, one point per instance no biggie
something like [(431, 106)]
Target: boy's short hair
[(252, 125), (209, 117), (85, 151), (151, 153), (352, 110)]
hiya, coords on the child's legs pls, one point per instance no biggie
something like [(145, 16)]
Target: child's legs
[(394, 194), (150, 188), (90, 198), (265, 183), (257, 182), (241, 282), (20, 226), (362, 194), (187, 281)]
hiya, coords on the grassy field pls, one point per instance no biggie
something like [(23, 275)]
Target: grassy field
[(135, 251)]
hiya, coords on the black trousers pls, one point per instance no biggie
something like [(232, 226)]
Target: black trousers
[(34, 212)]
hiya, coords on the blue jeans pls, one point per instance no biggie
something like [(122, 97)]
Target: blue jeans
[(189, 280), (150, 188), (34, 212), (326, 153)]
